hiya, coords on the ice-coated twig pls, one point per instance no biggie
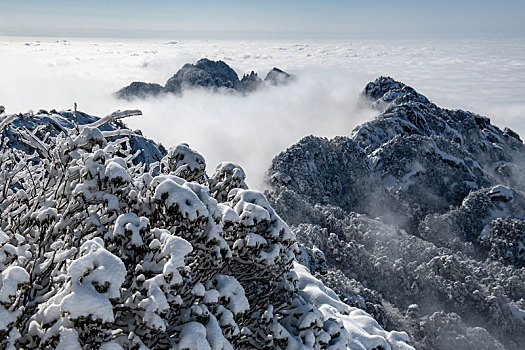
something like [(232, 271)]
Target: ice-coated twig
[(31, 139), (5, 121), (118, 132), (76, 119), (114, 116)]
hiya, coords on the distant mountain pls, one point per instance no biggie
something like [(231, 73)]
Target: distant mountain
[(417, 217), (277, 77), (207, 74)]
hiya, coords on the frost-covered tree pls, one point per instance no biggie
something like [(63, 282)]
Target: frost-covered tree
[(101, 250)]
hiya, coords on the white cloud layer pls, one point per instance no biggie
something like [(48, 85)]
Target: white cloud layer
[(486, 77)]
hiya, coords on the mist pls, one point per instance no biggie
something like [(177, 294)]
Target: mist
[(485, 77)]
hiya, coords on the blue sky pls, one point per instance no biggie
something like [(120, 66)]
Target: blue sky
[(265, 19)]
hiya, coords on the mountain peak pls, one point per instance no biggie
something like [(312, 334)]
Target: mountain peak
[(206, 73), (385, 91)]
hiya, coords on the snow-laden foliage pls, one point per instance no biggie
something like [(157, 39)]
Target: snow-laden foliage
[(416, 218), (99, 250)]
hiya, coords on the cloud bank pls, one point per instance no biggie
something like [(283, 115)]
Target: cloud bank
[(487, 77)]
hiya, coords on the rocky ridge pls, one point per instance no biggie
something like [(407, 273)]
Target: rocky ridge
[(416, 217), (206, 74)]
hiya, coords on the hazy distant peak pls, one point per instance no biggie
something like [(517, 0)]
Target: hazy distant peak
[(208, 74), (277, 76)]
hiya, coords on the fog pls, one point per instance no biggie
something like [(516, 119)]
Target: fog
[(486, 77)]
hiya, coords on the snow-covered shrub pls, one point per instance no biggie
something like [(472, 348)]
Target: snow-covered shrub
[(98, 250), (226, 177), (186, 163), (505, 239)]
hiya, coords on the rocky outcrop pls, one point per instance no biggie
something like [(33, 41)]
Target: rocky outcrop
[(207, 74), (251, 82), (140, 90), (277, 77)]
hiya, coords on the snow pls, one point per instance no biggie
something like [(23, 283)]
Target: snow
[(175, 250), (88, 135), (129, 223), (155, 303), (251, 214), (110, 346), (96, 266), (187, 202), (501, 191), (10, 279), (115, 171), (228, 214), (269, 256), (254, 240), (68, 340), (215, 337), (193, 337), (251, 206), (8, 317), (3, 237), (485, 232), (363, 332), (211, 296), (230, 289), (191, 159), (198, 290)]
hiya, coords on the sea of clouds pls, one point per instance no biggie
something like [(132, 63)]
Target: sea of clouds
[(483, 76)]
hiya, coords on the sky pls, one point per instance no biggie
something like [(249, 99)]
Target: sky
[(271, 19)]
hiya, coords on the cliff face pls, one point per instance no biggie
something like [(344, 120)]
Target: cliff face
[(422, 205)]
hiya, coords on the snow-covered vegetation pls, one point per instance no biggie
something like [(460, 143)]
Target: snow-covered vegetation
[(108, 241)]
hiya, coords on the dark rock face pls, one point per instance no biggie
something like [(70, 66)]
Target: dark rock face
[(205, 73), (140, 90), (251, 82), (277, 77), (222, 75), (420, 209)]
